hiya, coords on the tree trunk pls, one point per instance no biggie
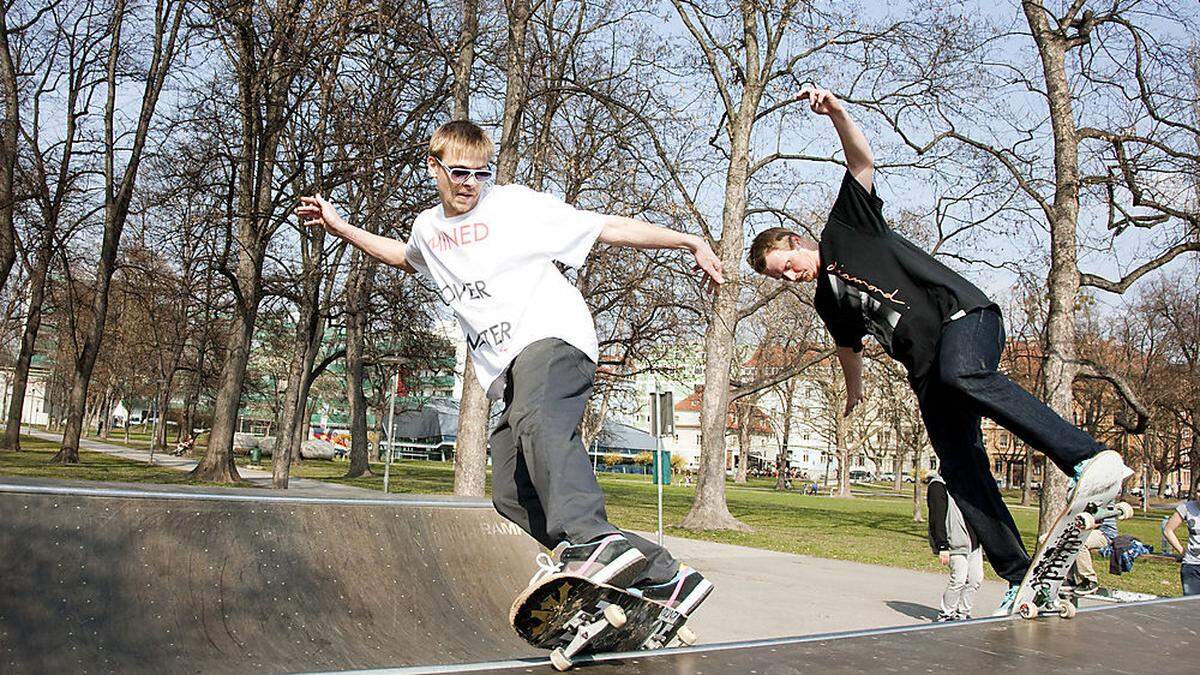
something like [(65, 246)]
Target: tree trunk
[(118, 196), (1059, 371), (845, 453), (1027, 478), (470, 447), (898, 469), (9, 127), (1194, 461), (781, 461), (307, 342), (710, 510), (743, 444), (261, 110), (33, 322), (918, 517), (461, 91), (358, 285)]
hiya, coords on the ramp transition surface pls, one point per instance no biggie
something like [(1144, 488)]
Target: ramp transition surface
[(107, 578)]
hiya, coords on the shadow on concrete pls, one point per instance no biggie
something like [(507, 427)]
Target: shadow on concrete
[(913, 609)]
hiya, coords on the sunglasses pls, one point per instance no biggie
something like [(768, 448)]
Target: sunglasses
[(460, 174)]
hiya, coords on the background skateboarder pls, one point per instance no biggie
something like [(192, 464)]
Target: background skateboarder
[(490, 251), (948, 334), (1189, 572), (955, 545)]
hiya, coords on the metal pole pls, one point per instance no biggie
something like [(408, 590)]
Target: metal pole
[(659, 480), (656, 429), (391, 431)]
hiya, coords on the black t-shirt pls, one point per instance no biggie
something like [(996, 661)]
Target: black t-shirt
[(873, 281)]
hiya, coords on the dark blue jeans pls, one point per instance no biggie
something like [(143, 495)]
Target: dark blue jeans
[(960, 388), (1189, 576)]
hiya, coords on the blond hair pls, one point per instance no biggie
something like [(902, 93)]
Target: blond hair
[(463, 139)]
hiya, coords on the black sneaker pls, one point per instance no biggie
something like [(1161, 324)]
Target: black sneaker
[(1087, 587), (943, 618), (611, 560), (684, 593)]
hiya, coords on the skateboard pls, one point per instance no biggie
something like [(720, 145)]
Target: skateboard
[(1093, 500), (573, 616)]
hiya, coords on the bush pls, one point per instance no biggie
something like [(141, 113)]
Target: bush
[(644, 459), (611, 459)]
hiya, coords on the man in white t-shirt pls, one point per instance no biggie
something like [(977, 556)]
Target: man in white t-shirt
[(491, 252), (1189, 571)]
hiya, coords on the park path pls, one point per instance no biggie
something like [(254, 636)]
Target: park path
[(304, 486)]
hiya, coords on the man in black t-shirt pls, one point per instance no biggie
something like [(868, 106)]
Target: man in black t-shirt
[(945, 331)]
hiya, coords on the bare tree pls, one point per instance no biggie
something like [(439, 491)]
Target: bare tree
[(165, 40), (1115, 126), (69, 59), (265, 68)]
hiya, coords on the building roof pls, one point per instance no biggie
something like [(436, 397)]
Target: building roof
[(759, 422)]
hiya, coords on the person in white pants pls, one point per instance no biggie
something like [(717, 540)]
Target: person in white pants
[(955, 544)]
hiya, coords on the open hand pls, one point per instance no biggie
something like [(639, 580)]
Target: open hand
[(708, 261), (822, 101), (854, 395), (944, 558), (317, 212)]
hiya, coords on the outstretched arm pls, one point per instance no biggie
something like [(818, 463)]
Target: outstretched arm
[(859, 159), (317, 212), (852, 365), (622, 231)]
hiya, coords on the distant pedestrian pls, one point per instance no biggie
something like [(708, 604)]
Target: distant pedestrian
[(1189, 572), (954, 543)]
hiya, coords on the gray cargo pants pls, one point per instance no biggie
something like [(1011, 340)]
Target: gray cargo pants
[(542, 479)]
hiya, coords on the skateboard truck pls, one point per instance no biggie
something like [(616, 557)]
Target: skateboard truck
[(1091, 517), (587, 626)]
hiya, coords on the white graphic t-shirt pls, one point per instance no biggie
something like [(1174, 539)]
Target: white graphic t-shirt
[(1190, 512), (494, 267)]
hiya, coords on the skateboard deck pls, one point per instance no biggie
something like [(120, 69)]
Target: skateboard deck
[(573, 616), (1093, 500)]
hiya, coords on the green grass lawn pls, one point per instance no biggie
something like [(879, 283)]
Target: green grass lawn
[(871, 529), (34, 461)]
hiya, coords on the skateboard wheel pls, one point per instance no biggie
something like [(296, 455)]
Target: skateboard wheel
[(1067, 610), (1086, 521), (1124, 510), (559, 660), (687, 636), (615, 616), (1028, 610)]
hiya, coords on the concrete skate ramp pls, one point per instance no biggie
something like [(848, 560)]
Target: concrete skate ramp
[(105, 577)]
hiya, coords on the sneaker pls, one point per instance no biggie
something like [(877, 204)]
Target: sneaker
[(943, 618), (611, 559), (1067, 587), (1078, 473), (1009, 598), (1088, 587), (684, 593)]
